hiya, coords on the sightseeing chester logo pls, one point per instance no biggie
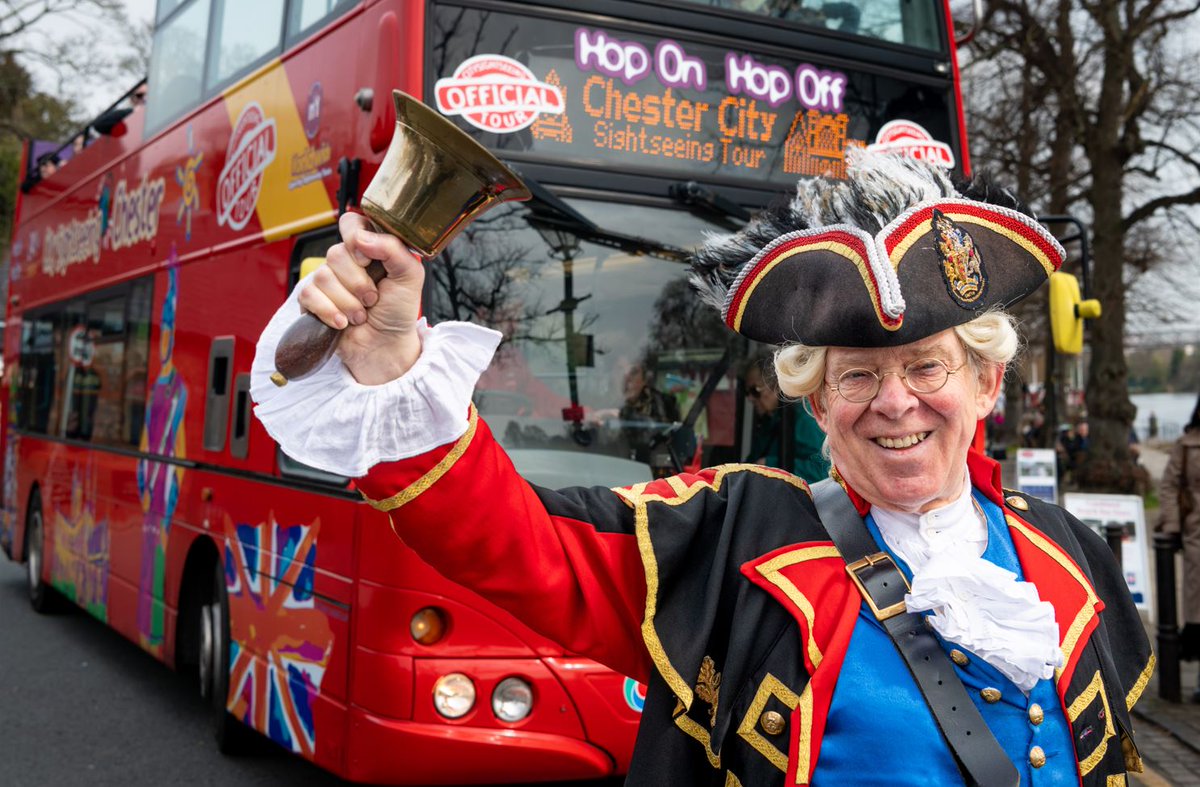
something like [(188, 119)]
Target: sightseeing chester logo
[(497, 94), (251, 150)]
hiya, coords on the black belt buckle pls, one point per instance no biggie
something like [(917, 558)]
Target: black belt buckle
[(881, 561)]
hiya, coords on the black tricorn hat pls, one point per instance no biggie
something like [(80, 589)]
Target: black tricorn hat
[(892, 255)]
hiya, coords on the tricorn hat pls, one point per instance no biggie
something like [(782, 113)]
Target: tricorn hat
[(892, 255)]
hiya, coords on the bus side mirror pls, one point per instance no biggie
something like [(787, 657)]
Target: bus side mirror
[(1067, 313)]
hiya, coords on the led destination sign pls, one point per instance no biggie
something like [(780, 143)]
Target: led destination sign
[(540, 89)]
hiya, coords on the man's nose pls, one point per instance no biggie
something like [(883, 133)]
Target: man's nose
[(894, 397)]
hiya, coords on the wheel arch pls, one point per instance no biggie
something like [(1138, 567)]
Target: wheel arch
[(21, 551), (195, 588)]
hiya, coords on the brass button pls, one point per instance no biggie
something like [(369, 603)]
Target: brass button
[(772, 722), (1037, 757), (990, 695), (1036, 715), (1017, 503), (959, 658)]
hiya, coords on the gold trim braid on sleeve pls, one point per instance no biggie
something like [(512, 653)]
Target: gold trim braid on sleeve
[(430, 478)]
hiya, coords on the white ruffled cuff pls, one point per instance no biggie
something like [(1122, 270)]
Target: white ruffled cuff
[(332, 422), (985, 609)]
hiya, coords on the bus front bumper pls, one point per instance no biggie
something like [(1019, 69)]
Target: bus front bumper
[(388, 751)]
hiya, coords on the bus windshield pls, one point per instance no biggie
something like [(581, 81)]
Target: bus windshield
[(909, 22), (604, 351)]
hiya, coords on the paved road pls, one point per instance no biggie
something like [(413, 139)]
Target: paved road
[(1169, 763), (80, 705)]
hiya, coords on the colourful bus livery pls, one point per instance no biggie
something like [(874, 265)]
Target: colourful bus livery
[(137, 483)]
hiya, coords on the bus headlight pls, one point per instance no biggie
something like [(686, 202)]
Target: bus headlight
[(428, 625), (512, 700), (454, 695)]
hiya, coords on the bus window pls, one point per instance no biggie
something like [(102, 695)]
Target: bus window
[(239, 441), (41, 335), (137, 359), (216, 400), (315, 244), (83, 367), (605, 351), (78, 380), (96, 400), (305, 15), (910, 22), (177, 64), (244, 34), (166, 8)]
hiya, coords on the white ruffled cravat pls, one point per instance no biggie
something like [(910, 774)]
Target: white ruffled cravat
[(975, 603)]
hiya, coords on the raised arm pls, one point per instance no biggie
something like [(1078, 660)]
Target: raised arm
[(394, 408)]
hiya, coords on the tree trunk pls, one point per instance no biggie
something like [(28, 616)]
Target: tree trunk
[(1109, 465)]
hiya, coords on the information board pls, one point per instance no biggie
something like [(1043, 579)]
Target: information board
[(1129, 512), (1037, 473)]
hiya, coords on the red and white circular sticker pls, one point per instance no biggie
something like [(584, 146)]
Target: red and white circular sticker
[(911, 139), (497, 94), (80, 347), (251, 150)]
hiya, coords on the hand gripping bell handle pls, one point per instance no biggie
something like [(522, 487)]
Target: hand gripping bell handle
[(308, 343)]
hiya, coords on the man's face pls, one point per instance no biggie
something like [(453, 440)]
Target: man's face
[(902, 450), (763, 397)]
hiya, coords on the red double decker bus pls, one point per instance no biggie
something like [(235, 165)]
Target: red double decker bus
[(137, 483)]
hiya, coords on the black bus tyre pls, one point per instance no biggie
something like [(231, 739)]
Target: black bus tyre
[(233, 737), (43, 598)]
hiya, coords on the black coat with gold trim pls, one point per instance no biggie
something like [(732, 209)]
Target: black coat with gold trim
[(723, 592)]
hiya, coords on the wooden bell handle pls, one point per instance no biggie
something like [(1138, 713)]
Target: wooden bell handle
[(308, 343)]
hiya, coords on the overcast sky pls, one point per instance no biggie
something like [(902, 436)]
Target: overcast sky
[(93, 98), (141, 9)]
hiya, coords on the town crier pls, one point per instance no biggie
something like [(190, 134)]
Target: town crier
[(905, 622)]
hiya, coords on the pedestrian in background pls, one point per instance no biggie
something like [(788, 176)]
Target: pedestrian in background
[(809, 462), (1180, 513)]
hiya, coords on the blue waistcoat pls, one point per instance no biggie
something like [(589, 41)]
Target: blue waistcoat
[(879, 715)]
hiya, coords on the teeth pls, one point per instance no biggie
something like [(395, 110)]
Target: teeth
[(901, 442)]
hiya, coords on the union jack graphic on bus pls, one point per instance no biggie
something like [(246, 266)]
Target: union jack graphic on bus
[(279, 642)]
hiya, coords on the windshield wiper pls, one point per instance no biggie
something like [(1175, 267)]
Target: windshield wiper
[(549, 211), (709, 204)]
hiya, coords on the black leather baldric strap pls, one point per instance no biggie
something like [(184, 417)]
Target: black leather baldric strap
[(979, 755)]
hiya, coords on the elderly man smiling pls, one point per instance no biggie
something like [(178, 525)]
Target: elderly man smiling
[(907, 622)]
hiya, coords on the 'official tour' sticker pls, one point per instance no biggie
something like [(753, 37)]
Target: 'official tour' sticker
[(911, 139), (497, 94)]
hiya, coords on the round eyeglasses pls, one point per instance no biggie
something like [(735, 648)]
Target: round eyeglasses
[(923, 376)]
